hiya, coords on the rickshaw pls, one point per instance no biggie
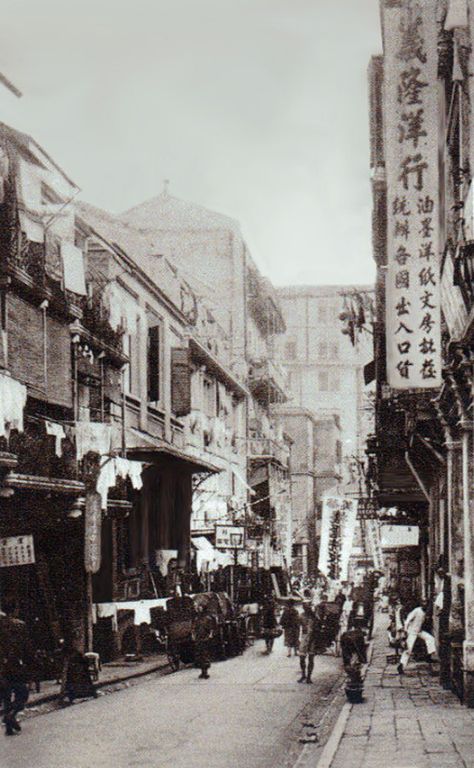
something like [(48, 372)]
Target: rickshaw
[(180, 613)]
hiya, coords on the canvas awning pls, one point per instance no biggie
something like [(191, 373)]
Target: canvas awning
[(145, 447)]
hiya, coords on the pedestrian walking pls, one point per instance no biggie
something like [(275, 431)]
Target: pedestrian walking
[(15, 668), (309, 626), (269, 623), (202, 634), (290, 623), (414, 628)]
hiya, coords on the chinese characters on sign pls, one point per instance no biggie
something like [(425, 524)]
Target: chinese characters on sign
[(413, 272), (93, 531), (230, 537), (337, 532), (16, 550)]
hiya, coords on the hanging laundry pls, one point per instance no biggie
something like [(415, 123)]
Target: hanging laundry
[(456, 15), (92, 436), (57, 430), (12, 404), (111, 469), (73, 265), (28, 185), (33, 230), (107, 479)]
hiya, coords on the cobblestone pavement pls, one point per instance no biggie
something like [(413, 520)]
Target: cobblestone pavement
[(252, 712), (406, 721)]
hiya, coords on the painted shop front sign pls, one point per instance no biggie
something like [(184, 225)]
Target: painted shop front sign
[(413, 260)]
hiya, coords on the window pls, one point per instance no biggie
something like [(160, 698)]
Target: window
[(322, 312), (128, 349), (335, 349), (291, 350), (323, 381), (335, 382), (323, 349), (153, 364)]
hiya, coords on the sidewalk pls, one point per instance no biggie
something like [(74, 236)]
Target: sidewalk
[(406, 721), (115, 672)]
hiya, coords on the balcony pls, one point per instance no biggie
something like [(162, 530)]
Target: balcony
[(267, 382), (35, 455), (260, 448)]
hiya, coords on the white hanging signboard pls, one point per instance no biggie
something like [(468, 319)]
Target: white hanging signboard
[(411, 151), (16, 550), (337, 535)]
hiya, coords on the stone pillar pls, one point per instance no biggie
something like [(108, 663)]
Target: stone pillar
[(468, 649), (456, 553)]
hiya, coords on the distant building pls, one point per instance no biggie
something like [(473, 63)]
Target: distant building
[(326, 371), (209, 249)]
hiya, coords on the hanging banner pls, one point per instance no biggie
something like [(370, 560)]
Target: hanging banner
[(93, 530), (411, 141), (16, 550), (373, 534), (337, 534)]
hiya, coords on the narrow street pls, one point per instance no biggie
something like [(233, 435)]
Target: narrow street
[(250, 713)]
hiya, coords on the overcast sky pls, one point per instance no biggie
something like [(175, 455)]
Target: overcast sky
[(254, 108)]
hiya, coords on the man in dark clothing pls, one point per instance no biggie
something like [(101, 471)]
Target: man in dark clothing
[(309, 626), (203, 631), (269, 623), (15, 663)]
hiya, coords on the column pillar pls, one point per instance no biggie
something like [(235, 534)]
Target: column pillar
[(468, 509)]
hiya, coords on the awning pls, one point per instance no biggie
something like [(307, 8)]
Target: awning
[(146, 447), (202, 355)]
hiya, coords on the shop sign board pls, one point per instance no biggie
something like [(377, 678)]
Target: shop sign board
[(338, 523), (230, 536), (93, 531), (17, 550), (413, 315)]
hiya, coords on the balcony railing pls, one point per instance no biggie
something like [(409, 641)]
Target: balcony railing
[(268, 381), (266, 448)]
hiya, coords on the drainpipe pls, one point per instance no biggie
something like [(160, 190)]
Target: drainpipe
[(44, 306)]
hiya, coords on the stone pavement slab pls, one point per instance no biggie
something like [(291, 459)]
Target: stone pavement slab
[(406, 721)]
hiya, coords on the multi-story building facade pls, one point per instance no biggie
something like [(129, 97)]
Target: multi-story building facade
[(325, 361), (325, 370), (209, 248), (51, 341), (424, 437)]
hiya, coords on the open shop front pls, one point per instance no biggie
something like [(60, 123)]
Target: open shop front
[(41, 561)]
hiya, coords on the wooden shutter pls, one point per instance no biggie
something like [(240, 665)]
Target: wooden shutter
[(153, 364), (59, 363), (180, 381), (26, 353), (25, 344)]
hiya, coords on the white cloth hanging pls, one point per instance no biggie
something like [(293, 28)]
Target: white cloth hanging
[(92, 436), (57, 430), (73, 265), (12, 404), (456, 15), (111, 469)]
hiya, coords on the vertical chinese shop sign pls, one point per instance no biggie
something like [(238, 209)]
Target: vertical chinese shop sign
[(411, 119)]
